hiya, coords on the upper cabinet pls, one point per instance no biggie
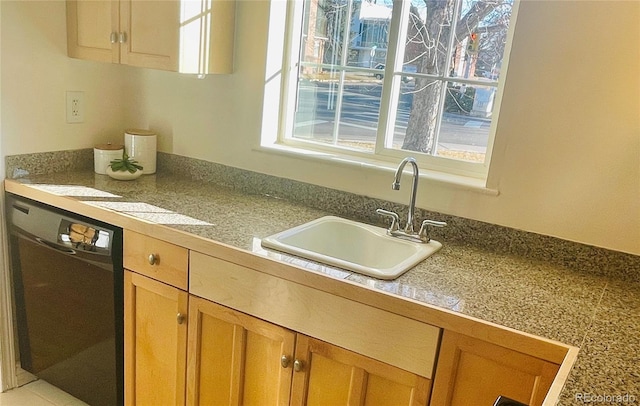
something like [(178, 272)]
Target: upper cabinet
[(187, 36)]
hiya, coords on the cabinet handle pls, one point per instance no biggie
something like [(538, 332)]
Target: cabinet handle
[(180, 318), (285, 361), (114, 37), (298, 365), (154, 259), (122, 38)]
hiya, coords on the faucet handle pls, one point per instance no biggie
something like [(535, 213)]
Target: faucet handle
[(395, 220), (425, 226)]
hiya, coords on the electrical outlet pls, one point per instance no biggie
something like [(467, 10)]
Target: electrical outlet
[(75, 107)]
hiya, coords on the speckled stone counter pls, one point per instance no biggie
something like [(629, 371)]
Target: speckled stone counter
[(586, 298)]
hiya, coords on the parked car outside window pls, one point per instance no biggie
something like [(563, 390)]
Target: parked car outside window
[(405, 68)]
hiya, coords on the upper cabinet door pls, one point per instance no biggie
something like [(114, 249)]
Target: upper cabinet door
[(188, 36), (91, 28), (150, 32)]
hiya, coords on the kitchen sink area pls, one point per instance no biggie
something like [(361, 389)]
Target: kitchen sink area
[(353, 246), (363, 248), (326, 211), (528, 283)]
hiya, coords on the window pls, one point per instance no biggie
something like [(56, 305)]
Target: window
[(387, 79)]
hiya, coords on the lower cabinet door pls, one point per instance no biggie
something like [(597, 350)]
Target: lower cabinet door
[(474, 372), (236, 359), (155, 342), (329, 375)]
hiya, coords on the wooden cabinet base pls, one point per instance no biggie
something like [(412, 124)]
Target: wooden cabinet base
[(235, 359), (473, 372), (155, 342), (330, 375)]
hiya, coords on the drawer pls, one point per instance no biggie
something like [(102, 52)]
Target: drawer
[(388, 337), (156, 259)]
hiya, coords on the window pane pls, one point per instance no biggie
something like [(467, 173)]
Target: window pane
[(427, 37), (479, 47), (417, 113), (444, 39), (464, 123), (354, 99), (466, 119), (450, 57), (343, 52)]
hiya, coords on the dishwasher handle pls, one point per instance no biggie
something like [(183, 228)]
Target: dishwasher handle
[(95, 258), (62, 232), (64, 250)]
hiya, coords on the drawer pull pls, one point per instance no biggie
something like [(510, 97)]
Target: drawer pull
[(180, 318), (154, 259), (285, 361)]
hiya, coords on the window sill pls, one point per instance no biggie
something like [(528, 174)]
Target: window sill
[(456, 181)]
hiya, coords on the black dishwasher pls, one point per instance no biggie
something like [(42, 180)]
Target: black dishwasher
[(68, 300)]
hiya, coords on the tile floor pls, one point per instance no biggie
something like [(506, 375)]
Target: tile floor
[(38, 393)]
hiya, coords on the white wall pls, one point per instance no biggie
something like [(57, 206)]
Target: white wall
[(567, 155), (36, 73)]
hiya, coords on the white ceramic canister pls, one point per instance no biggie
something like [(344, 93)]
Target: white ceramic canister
[(103, 155), (141, 145)]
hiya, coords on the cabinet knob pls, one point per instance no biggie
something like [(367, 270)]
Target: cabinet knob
[(154, 259), (285, 361), (180, 318), (114, 37), (298, 365), (122, 37)]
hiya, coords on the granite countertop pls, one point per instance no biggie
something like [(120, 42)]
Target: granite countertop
[(595, 311)]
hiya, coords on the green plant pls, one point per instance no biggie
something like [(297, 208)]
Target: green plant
[(125, 164)]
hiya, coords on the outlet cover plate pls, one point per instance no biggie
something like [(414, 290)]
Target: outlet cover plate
[(75, 107)]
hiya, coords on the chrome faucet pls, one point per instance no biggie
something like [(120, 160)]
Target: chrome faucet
[(409, 230)]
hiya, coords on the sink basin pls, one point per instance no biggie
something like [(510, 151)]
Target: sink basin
[(353, 246)]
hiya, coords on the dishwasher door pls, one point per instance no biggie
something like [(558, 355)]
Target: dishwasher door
[(67, 278)]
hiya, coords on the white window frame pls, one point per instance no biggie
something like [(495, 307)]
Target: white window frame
[(382, 154)]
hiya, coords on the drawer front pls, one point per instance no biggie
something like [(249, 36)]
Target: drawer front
[(388, 337), (156, 259)]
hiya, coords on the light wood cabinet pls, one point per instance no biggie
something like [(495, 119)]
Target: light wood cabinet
[(393, 339), (155, 323), (132, 32), (190, 36), (330, 375), (242, 354), (157, 259), (150, 33), (90, 25), (155, 342), (474, 372), (235, 358)]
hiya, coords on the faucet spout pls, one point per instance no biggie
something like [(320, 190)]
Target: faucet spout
[(408, 228)]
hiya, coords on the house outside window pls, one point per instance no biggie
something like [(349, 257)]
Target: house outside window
[(386, 79)]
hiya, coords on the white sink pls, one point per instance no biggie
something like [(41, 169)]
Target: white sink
[(353, 246)]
